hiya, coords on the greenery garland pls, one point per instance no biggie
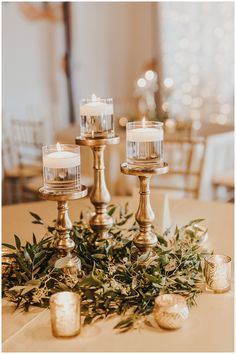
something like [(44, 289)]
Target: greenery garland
[(112, 281)]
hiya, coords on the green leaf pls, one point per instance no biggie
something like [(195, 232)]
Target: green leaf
[(111, 211), (18, 242), (9, 246), (34, 239), (35, 216), (62, 262)]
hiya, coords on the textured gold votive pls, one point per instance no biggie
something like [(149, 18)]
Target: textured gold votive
[(7, 262), (217, 273), (170, 311), (65, 314)]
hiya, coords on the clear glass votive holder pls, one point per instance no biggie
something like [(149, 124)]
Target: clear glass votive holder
[(170, 311), (144, 144), (96, 118), (217, 271), (65, 314), (61, 168)]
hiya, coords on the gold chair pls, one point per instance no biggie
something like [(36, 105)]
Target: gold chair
[(185, 158), (27, 137)]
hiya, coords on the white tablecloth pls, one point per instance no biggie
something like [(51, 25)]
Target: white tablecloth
[(209, 328)]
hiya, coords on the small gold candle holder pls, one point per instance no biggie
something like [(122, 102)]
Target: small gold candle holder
[(145, 239), (63, 242), (170, 311), (8, 263), (217, 273), (65, 314), (101, 222)]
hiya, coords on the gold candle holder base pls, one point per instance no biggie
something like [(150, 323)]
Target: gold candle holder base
[(63, 243), (145, 239), (101, 222)]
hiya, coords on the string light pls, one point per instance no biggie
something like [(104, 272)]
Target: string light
[(141, 82)]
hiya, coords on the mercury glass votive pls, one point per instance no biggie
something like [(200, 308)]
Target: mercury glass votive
[(61, 168), (8, 263), (96, 118), (144, 143), (170, 311), (65, 314), (217, 273)]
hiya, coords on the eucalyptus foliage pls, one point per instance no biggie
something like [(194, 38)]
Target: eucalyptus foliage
[(115, 279)]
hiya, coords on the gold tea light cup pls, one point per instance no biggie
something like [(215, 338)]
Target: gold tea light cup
[(170, 311), (65, 314), (217, 273), (7, 262)]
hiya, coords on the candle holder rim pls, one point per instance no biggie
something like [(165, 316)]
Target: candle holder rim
[(54, 297), (97, 141), (144, 124), (144, 171), (226, 259), (62, 196), (180, 300), (97, 99), (74, 146)]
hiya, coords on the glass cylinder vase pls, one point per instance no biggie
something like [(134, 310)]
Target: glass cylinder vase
[(96, 118), (144, 144), (61, 168), (217, 273)]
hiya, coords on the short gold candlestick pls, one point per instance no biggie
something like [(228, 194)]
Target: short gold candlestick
[(101, 222), (63, 243), (145, 239)]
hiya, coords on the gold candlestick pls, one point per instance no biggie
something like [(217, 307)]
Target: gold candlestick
[(101, 222), (63, 242), (145, 239)]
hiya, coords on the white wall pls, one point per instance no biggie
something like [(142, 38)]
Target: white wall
[(112, 43), (32, 79)]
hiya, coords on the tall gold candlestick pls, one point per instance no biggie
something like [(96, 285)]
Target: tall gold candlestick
[(101, 222), (145, 239), (64, 244)]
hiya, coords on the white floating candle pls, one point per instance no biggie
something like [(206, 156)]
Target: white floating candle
[(61, 159), (144, 135), (96, 107)]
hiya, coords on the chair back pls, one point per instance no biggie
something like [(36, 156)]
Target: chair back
[(219, 158), (28, 141), (185, 158)]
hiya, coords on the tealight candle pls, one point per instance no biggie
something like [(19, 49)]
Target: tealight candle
[(217, 273), (144, 143), (170, 311), (61, 167), (96, 117), (65, 314)]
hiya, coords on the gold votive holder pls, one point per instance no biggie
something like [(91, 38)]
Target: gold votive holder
[(217, 273), (8, 263), (170, 311), (65, 314)]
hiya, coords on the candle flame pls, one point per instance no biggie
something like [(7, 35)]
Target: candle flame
[(59, 147), (143, 121)]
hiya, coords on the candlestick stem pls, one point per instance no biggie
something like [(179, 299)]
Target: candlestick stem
[(100, 196), (145, 239), (101, 221), (63, 226), (63, 242)]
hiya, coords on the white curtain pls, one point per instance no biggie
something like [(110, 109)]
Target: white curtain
[(197, 44)]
